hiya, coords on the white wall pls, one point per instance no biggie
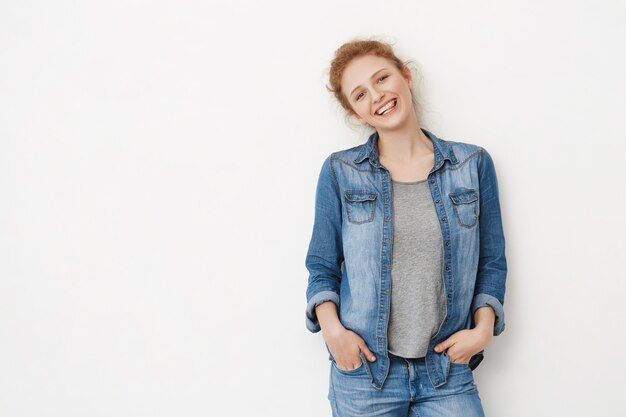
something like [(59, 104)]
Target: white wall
[(157, 170)]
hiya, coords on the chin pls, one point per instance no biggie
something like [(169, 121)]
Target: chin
[(392, 124)]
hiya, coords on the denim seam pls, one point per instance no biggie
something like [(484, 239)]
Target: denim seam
[(459, 164), (480, 162), (332, 391), (332, 169), (372, 203), (458, 216), (354, 166), (348, 371)]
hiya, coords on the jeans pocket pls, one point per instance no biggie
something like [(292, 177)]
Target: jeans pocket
[(466, 207), (463, 364), (354, 371)]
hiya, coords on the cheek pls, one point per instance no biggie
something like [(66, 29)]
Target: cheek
[(361, 110)]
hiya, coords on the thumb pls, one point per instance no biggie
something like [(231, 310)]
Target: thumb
[(368, 353), (444, 345)]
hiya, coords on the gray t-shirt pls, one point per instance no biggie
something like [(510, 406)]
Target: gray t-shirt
[(417, 292)]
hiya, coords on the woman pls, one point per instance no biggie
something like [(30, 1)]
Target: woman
[(406, 260)]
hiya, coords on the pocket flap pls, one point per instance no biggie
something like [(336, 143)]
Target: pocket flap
[(464, 197), (360, 195)]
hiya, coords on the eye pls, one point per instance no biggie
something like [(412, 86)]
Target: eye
[(379, 79)]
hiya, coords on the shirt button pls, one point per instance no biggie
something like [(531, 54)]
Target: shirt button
[(447, 267), (436, 201), (432, 181), (449, 295), (447, 243), (443, 219)]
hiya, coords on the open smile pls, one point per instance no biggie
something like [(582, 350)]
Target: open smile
[(387, 108)]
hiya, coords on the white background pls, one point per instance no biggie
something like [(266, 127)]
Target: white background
[(158, 163)]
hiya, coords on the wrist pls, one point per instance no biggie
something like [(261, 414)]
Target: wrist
[(332, 329), (484, 332), (484, 319)]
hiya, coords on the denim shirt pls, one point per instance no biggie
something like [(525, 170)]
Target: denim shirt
[(349, 255)]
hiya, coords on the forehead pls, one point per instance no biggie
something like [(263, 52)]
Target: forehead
[(360, 69)]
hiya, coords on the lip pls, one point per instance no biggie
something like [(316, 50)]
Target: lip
[(383, 105)]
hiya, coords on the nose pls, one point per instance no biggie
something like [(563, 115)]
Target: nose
[(377, 96)]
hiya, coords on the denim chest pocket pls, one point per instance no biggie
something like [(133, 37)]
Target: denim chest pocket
[(360, 205), (466, 208)]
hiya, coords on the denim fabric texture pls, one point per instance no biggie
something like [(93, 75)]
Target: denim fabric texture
[(349, 255), (407, 392)]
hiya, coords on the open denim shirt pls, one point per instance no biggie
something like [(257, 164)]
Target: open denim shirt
[(349, 256)]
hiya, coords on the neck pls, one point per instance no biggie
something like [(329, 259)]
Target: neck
[(405, 142)]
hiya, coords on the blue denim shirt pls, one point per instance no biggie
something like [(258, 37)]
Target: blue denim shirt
[(349, 256)]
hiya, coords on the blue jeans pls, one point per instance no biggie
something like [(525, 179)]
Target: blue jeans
[(407, 392)]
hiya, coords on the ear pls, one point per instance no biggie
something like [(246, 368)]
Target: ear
[(407, 74)]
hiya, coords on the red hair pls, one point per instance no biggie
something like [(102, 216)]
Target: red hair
[(354, 49)]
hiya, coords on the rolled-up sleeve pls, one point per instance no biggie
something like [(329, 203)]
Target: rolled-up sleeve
[(325, 253), (492, 268)]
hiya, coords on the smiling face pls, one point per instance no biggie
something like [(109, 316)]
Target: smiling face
[(378, 92)]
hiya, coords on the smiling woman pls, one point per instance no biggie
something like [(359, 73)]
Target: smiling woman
[(379, 94), (406, 261)]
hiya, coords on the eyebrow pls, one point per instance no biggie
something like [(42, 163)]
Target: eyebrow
[(373, 75)]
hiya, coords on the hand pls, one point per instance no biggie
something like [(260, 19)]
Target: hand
[(465, 343), (346, 346)]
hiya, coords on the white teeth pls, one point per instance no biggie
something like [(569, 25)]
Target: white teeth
[(389, 106)]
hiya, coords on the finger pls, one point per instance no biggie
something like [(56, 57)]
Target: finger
[(349, 366), (444, 345), (367, 352)]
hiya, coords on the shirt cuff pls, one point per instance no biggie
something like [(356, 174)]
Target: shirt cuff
[(482, 300), (311, 318)]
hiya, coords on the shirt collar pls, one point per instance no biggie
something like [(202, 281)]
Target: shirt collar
[(441, 149)]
